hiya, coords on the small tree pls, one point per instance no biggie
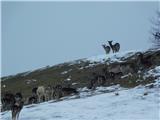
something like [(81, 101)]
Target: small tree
[(155, 30)]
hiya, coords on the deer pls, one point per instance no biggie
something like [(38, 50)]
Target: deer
[(57, 92), (115, 48), (17, 106), (156, 35), (41, 93), (60, 91), (145, 61), (13, 102), (97, 80), (7, 101), (106, 48), (48, 93)]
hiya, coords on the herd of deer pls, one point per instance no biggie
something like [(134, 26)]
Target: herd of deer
[(115, 47), (15, 102), (117, 71), (41, 93)]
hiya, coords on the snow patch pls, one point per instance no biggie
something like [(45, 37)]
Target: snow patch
[(129, 104), (114, 57), (65, 72)]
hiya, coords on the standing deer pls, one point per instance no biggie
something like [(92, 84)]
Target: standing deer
[(58, 92), (48, 93), (17, 106), (7, 101), (106, 48), (115, 48), (41, 93), (97, 80), (13, 102), (145, 61)]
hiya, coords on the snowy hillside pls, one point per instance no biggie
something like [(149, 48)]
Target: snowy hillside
[(130, 104), (113, 103), (99, 59), (133, 98)]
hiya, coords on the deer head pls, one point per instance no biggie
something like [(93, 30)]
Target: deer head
[(103, 45), (110, 42)]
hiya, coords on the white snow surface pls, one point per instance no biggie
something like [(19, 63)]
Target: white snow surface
[(154, 72), (110, 58), (102, 104), (113, 57)]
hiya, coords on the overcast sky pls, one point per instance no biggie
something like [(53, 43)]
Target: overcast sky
[(37, 34)]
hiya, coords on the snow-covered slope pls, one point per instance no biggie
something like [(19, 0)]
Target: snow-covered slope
[(130, 104), (104, 103), (114, 57), (94, 60)]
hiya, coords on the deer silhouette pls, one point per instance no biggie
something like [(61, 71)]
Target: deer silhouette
[(106, 48), (115, 48), (156, 35)]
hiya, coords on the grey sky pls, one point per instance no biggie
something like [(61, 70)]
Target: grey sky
[(37, 34)]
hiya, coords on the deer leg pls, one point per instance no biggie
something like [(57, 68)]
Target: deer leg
[(53, 95), (57, 95), (39, 98), (46, 96), (18, 115), (14, 118), (13, 115)]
